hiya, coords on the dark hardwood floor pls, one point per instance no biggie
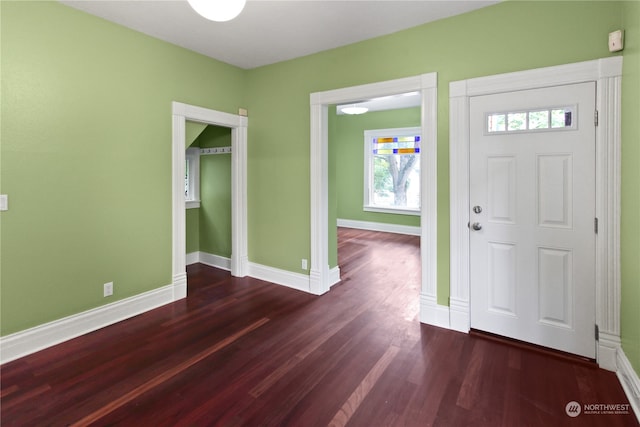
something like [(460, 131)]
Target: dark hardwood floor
[(242, 352)]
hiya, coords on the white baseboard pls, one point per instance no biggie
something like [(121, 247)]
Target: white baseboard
[(630, 381), (459, 315), (211, 260), (379, 226), (334, 276), (269, 274), (192, 258), (433, 314), (608, 346), (215, 261), (40, 337), (286, 278)]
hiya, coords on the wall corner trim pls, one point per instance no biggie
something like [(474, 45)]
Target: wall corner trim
[(49, 334)]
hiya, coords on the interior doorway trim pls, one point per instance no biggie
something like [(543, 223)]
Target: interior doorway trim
[(238, 124), (320, 102), (607, 73)]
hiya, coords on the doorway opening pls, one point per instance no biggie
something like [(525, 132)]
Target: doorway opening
[(182, 113), (208, 194), (374, 185), (321, 274)]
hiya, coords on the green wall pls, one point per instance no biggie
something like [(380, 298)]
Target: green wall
[(215, 193), (192, 230), (191, 132), (86, 157), (630, 218)]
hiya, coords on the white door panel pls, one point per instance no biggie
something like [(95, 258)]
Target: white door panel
[(532, 260)]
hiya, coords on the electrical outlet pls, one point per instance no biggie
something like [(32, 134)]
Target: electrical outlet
[(108, 289), (304, 264)]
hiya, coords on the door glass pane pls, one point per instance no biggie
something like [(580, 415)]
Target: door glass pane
[(517, 121), (539, 119), (496, 122), (561, 117)]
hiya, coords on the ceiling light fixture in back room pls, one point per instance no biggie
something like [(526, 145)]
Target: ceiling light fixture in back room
[(353, 109), (218, 10)]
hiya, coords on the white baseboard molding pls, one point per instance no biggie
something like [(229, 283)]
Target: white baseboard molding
[(49, 334), (432, 313), (192, 258), (334, 276), (459, 315), (286, 278), (269, 274), (215, 261), (379, 226), (211, 260), (630, 381), (608, 346)]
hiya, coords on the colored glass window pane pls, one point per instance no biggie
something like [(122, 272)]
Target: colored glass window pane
[(396, 145)]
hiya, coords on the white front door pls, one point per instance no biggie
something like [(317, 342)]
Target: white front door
[(532, 211)]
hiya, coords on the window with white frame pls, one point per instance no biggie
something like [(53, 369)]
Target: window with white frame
[(192, 178), (392, 170)]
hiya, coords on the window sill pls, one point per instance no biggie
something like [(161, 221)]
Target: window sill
[(192, 204), (414, 212)]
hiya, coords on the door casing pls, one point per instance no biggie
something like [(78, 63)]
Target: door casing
[(239, 247), (320, 278), (607, 73)]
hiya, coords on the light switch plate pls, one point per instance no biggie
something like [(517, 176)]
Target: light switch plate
[(616, 41), (4, 202)]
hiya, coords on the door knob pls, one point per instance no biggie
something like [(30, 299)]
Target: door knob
[(477, 209), (476, 226)]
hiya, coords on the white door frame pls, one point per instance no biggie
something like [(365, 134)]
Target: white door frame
[(607, 73), (427, 84), (238, 124)]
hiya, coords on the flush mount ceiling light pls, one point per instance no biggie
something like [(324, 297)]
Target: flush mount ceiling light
[(353, 109), (218, 10)]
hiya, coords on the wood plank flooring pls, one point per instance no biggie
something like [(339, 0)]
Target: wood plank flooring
[(243, 352)]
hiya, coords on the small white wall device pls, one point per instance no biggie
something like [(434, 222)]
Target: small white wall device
[(616, 41)]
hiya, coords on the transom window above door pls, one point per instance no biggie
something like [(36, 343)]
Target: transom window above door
[(392, 170), (533, 120)]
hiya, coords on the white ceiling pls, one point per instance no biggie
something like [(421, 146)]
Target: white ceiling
[(269, 31)]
